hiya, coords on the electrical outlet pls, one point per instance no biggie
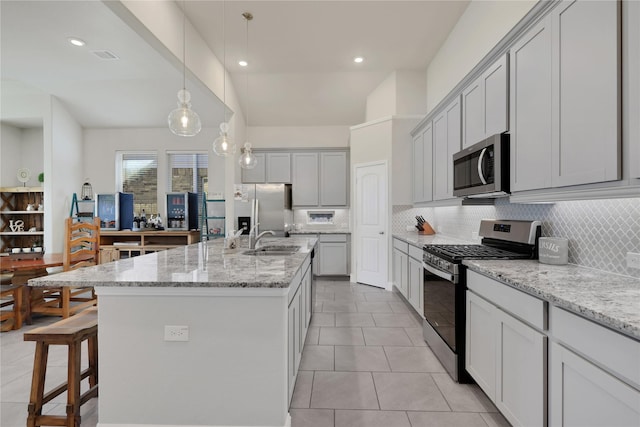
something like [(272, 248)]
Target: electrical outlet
[(633, 260), (176, 333)]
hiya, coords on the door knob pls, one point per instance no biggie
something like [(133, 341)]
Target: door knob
[(381, 232)]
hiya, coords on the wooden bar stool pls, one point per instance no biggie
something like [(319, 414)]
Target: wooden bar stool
[(70, 332), (11, 296)]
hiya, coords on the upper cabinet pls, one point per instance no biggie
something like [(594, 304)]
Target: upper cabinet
[(274, 168), (422, 164), (320, 179), (485, 104), (446, 142), (333, 179), (565, 98)]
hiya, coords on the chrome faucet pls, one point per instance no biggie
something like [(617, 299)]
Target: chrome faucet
[(253, 239)]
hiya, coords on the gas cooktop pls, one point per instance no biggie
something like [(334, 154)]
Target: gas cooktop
[(459, 252)]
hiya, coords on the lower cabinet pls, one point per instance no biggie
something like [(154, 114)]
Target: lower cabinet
[(582, 394), (298, 320), (333, 255), (507, 358), (416, 287), (408, 274), (400, 271)]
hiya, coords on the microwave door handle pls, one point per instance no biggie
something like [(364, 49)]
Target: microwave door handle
[(480, 160), (435, 272)]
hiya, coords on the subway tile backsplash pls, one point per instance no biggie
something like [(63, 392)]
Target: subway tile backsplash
[(600, 232)]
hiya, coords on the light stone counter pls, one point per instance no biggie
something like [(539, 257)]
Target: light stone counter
[(200, 265), (606, 298), (321, 231), (419, 240)]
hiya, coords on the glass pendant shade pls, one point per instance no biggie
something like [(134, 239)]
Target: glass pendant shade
[(223, 144), (183, 121), (247, 160)]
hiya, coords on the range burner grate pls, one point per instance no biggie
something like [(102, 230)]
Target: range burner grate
[(459, 252)]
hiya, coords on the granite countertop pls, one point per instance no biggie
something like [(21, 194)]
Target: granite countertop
[(321, 231), (205, 264), (606, 298), (415, 239)]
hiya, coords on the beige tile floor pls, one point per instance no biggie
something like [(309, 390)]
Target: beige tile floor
[(365, 364)]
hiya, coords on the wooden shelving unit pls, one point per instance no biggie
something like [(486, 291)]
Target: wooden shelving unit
[(14, 207), (115, 245)]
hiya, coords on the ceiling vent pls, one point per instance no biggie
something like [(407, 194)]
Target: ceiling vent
[(105, 55)]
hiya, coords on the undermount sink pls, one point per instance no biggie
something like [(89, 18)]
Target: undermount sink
[(273, 250)]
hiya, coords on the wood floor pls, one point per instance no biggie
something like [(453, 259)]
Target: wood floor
[(365, 364)]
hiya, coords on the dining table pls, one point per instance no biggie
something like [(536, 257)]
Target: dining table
[(23, 270)]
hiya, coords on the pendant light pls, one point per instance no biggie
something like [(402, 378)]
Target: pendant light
[(183, 121), (223, 145), (247, 158)]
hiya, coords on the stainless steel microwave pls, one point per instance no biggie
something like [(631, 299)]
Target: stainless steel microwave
[(482, 170)]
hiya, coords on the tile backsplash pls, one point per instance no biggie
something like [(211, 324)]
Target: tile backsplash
[(600, 232)]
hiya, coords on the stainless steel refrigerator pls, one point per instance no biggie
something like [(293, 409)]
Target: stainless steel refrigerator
[(268, 205)]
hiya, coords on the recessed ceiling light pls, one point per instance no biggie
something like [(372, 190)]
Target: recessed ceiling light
[(76, 41), (243, 63), (358, 59)]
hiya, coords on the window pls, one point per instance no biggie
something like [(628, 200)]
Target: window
[(138, 174), (189, 172)]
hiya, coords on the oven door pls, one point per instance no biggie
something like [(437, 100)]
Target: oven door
[(440, 303)]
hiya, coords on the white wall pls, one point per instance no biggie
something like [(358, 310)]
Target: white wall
[(298, 136), (10, 155), (63, 171), (32, 156), (101, 146), (480, 28), (401, 93)]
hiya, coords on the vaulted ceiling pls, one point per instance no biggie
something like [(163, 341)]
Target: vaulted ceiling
[(301, 69)]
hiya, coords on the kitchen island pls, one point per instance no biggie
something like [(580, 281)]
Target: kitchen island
[(199, 335)]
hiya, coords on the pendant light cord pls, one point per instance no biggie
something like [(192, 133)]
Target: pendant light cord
[(184, 45), (248, 16), (224, 64)]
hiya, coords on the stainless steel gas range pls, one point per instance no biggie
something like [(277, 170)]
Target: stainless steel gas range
[(445, 284)]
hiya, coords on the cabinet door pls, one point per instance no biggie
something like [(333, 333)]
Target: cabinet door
[(427, 163), (333, 259), (473, 113), (418, 168), (305, 179), (293, 334), (333, 179), (279, 168), (530, 109), (440, 169), (308, 307), (400, 271), (480, 341), (453, 140), (586, 96), (259, 173), (416, 287), (581, 394), (496, 97), (521, 360)]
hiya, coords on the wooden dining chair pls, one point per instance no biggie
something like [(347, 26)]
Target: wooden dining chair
[(81, 249), (10, 306)]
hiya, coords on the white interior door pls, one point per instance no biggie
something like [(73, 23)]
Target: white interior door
[(371, 224)]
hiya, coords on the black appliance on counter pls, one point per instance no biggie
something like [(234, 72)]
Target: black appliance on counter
[(445, 285)]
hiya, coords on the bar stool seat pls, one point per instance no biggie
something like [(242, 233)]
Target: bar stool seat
[(70, 332)]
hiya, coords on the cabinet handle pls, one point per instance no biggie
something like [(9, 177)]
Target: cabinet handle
[(381, 232)]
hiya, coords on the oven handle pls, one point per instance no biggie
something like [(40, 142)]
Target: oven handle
[(440, 274)]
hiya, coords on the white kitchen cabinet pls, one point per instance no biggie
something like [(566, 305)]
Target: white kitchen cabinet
[(480, 343), (485, 104), (257, 175), (308, 300), (401, 266), (305, 188), (582, 394), (293, 342), (422, 163), (506, 356), (559, 137), (278, 168), (334, 179), (586, 136), (446, 142), (416, 285), (333, 259), (530, 109), (521, 371)]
